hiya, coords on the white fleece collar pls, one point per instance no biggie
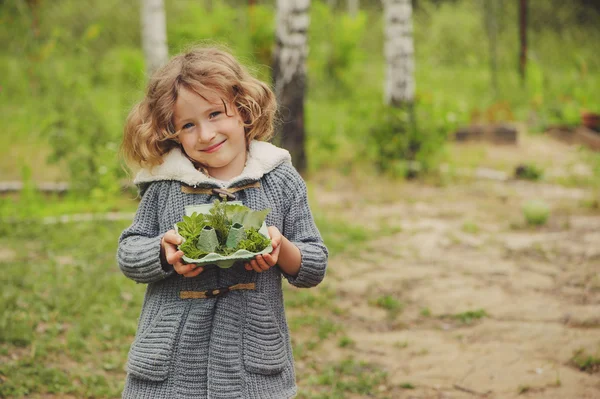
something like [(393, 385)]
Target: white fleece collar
[(263, 157)]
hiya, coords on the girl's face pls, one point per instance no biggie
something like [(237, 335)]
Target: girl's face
[(210, 134)]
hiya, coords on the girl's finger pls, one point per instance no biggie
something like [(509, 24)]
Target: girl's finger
[(269, 259), (255, 266), (194, 272), (180, 268), (261, 263), (173, 256), (172, 237), (247, 266)]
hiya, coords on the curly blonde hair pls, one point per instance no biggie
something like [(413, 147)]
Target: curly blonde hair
[(149, 131)]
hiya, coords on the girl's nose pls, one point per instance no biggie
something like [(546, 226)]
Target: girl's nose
[(207, 133)]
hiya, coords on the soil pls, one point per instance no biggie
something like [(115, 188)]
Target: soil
[(465, 247)]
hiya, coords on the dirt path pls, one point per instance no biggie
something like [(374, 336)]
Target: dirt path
[(464, 300)]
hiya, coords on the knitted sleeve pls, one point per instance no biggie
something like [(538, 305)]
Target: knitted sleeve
[(299, 227), (138, 252)]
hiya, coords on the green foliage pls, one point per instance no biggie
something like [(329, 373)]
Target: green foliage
[(221, 217), (65, 302), (469, 316), (335, 54), (536, 212), (585, 361), (190, 229), (254, 241), (339, 235), (218, 220), (470, 227), (76, 70), (529, 172), (345, 342), (347, 377)]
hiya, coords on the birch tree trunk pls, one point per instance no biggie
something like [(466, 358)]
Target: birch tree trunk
[(289, 74), (353, 6), (399, 53), (154, 34)]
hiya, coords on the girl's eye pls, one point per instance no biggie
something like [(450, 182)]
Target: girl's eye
[(188, 125), (214, 114)]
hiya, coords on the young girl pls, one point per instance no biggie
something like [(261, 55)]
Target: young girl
[(204, 332)]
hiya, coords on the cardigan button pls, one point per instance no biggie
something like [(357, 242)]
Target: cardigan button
[(224, 194)]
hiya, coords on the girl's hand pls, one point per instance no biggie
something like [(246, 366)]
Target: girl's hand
[(168, 247), (262, 263)]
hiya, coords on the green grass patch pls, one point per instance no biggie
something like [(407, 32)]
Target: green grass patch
[(470, 227), (68, 315), (536, 212), (345, 342), (389, 303), (529, 172), (340, 235), (523, 389), (341, 379), (469, 316), (585, 361), (319, 297)]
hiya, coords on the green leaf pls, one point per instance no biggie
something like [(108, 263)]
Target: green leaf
[(246, 216)]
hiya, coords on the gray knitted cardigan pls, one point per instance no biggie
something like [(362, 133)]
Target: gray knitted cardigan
[(235, 346)]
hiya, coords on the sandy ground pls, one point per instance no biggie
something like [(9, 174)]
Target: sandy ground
[(465, 247)]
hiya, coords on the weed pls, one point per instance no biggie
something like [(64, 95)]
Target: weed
[(401, 344), (344, 378), (389, 303), (407, 385), (523, 389), (74, 312), (339, 235), (425, 312), (469, 316), (298, 298), (528, 172), (470, 227), (536, 212), (345, 342), (586, 362)]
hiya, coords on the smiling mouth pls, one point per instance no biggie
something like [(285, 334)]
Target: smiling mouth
[(213, 148)]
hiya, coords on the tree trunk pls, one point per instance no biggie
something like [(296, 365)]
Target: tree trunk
[(399, 53), (289, 75), (491, 12), (353, 6), (523, 39), (154, 34)]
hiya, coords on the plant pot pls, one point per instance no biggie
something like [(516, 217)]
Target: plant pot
[(207, 240), (591, 120), (236, 234), (213, 258)]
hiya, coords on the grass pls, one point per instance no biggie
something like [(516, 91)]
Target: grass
[(389, 303), (346, 342), (69, 315), (341, 379), (470, 227), (470, 316), (339, 235), (585, 361), (523, 389), (425, 312)]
